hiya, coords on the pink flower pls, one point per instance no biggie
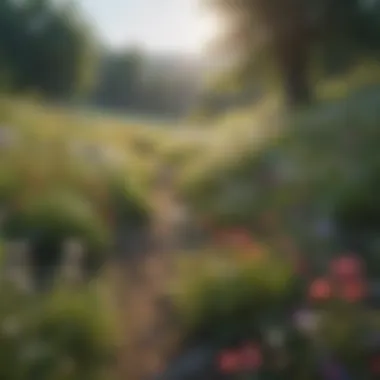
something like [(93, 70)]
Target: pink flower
[(250, 357), (347, 266), (353, 291), (228, 362), (247, 358), (320, 289)]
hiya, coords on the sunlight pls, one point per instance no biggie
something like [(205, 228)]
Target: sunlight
[(180, 26), (206, 27)]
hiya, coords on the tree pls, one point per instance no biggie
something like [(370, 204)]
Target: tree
[(44, 46), (132, 80), (118, 79), (289, 34)]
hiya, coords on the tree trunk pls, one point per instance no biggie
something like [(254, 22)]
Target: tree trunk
[(292, 45), (294, 60), (297, 87)]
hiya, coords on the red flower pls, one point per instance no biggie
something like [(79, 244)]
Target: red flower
[(250, 357), (320, 289), (353, 291), (347, 266), (228, 362)]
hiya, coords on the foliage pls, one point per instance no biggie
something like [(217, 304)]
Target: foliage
[(57, 216), (128, 201), (292, 40), (132, 80), (231, 298), (44, 46), (118, 80), (64, 336), (77, 330), (322, 163), (60, 179)]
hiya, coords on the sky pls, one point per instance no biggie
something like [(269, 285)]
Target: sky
[(157, 25)]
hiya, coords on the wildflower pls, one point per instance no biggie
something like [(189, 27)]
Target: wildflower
[(250, 357), (320, 289), (306, 320), (345, 267), (228, 362), (353, 291)]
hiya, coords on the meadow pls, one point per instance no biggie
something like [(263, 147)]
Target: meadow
[(284, 208)]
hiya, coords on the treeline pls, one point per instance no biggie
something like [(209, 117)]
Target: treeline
[(133, 80), (44, 47), (48, 48), (290, 45)]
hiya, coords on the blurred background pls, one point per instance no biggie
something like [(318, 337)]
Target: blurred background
[(188, 189)]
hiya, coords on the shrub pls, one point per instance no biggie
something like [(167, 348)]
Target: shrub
[(78, 335), (48, 220), (230, 298), (65, 335), (128, 201)]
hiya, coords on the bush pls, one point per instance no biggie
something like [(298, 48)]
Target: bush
[(230, 298), (128, 201), (322, 165), (79, 337), (66, 336), (48, 220)]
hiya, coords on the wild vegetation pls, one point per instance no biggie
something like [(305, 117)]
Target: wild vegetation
[(282, 282)]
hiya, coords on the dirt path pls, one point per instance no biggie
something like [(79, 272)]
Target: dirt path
[(141, 298)]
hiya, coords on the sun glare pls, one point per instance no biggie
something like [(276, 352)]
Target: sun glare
[(207, 28)]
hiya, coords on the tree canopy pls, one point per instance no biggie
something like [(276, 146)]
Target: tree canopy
[(293, 37), (44, 47)]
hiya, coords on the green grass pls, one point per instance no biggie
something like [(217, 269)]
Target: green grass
[(103, 164)]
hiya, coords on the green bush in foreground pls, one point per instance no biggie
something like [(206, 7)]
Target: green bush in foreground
[(66, 335), (48, 220), (229, 299)]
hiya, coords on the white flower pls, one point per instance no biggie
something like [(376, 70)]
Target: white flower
[(307, 320)]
